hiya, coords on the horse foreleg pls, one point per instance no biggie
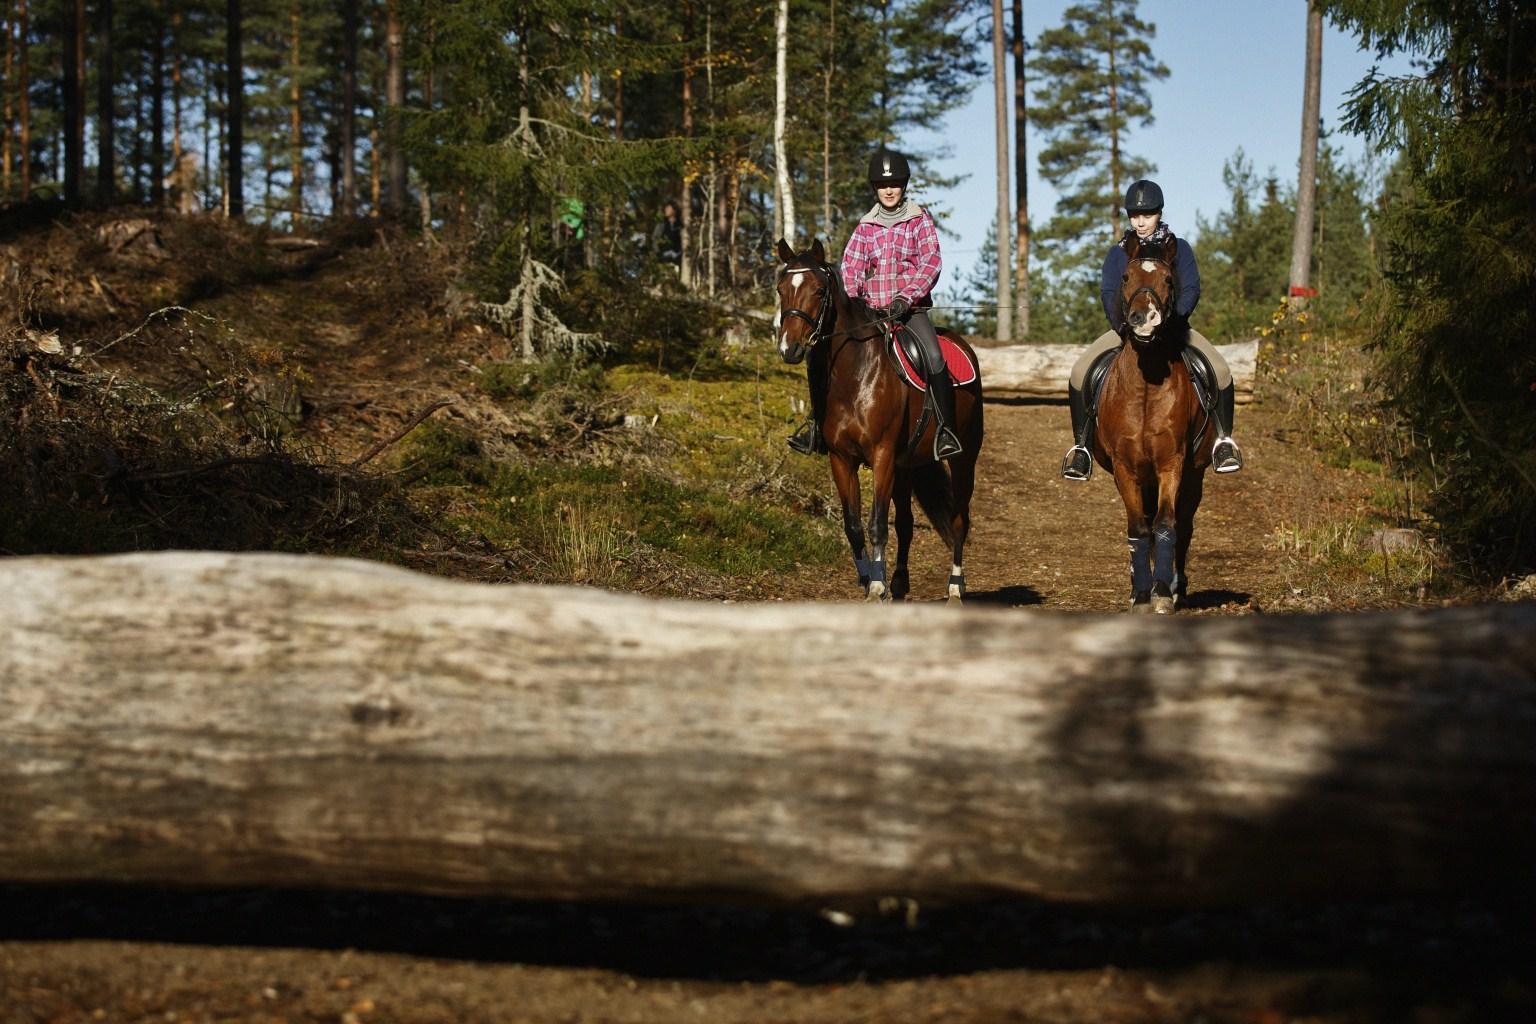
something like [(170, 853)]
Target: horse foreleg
[(845, 475), (962, 482), (1191, 489), (883, 472), (901, 583), (1165, 540), (1138, 536)]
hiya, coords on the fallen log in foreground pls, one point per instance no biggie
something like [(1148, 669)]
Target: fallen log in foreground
[(279, 720), (1041, 371)]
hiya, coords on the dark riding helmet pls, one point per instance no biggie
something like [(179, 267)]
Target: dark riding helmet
[(1143, 197), (888, 168)]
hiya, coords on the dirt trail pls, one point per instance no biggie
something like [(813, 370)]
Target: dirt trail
[(1040, 541)]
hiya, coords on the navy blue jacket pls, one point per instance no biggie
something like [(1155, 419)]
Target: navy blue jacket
[(1184, 266)]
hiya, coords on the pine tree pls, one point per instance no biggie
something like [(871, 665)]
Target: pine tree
[(1458, 309), (1096, 68)]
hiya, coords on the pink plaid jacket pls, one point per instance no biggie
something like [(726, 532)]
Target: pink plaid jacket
[(880, 263)]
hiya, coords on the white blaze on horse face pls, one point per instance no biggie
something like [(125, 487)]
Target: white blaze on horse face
[(1148, 266), (796, 278)]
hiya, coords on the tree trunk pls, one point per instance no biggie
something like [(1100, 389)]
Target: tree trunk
[(394, 40), (277, 720), (295, 118), (157, 111), (1042, 371), (8, 84), (1306, 184), (73, 101), (786, 197), (826, 123), (25, 100), (106, 118), (347, 128), (685, 196), (1114, 143), (1000, 101), (1021, 178), (235, 69)]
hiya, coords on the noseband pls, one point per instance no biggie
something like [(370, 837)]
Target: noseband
[(817, 322)]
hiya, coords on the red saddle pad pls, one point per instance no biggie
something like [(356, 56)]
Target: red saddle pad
[(961, 369)]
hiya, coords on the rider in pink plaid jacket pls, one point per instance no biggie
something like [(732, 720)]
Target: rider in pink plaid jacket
[(892, 263), (880, 263)]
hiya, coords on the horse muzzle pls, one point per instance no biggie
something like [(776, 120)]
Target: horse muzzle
[(1144, 325)]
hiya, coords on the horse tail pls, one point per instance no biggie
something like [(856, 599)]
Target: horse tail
[(934, 492)]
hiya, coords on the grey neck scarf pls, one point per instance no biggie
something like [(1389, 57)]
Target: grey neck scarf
[(904, 211)]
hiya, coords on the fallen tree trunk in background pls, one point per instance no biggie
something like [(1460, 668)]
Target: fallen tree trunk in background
[(200, 718), (1042, 370)]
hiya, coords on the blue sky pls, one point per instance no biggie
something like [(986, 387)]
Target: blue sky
[(1236, 69)]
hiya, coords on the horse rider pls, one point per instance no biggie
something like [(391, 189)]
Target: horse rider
[(892, 263), (1144, 205)]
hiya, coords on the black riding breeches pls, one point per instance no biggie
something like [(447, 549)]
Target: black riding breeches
[(927, 342)]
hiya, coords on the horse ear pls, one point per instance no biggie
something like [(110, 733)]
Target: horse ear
[(785, 252), (817, 252)]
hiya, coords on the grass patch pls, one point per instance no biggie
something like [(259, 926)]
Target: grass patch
[(1358, 562)]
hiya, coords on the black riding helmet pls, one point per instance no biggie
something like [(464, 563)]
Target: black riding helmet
[(887, 168), (1143, 197)]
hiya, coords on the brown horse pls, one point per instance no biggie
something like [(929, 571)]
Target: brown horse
[(1153, 434), (871, 417)]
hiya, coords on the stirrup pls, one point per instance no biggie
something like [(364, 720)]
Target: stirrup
[(806, 439), (945, 444), (1226, 456), (1077, 464)]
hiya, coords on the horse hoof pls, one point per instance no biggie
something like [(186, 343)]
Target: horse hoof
[(1141, 604), (1162, 605), (954, 601), (877, 593)]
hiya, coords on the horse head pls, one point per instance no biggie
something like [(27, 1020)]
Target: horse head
[(1148, 287), (805, 300)]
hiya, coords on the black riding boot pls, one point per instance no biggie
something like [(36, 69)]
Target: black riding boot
[(807, 439), (1226, 456), (945, 444), (1078, 462)]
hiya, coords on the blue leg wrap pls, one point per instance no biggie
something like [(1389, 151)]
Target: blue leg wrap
[(1165, 541), (1141, 572)]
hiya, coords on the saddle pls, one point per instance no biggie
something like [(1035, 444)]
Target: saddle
[(1201, 374), (909, 360)]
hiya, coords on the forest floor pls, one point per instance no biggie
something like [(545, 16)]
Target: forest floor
[(1290, 533)]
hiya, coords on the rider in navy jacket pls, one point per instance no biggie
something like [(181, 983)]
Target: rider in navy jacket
[(1144, 206)]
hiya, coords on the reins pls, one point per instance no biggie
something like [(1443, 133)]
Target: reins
[(826, 305)]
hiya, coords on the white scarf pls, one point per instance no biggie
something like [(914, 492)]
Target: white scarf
[(903, 211)]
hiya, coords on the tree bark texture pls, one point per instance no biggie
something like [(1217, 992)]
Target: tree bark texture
[(234, 62), (227, 719), (1306, 183), (106, 119), (1043, 370), (1020, 178), (394, 45), (785, 187), (1000, 112)]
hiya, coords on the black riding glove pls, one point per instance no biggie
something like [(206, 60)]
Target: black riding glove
[(898, 308)]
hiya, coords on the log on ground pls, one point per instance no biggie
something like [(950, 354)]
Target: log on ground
[(222, 719), (1042, 371)]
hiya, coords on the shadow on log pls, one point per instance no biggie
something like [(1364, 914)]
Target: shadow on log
[(270, 720)]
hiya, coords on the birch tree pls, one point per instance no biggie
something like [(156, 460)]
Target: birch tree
[(786, 205)]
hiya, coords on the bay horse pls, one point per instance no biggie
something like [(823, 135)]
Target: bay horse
[(870, 416), (1153, 433)]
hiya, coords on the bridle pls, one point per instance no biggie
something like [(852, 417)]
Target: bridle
[(1162, 305), (817, 322)]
